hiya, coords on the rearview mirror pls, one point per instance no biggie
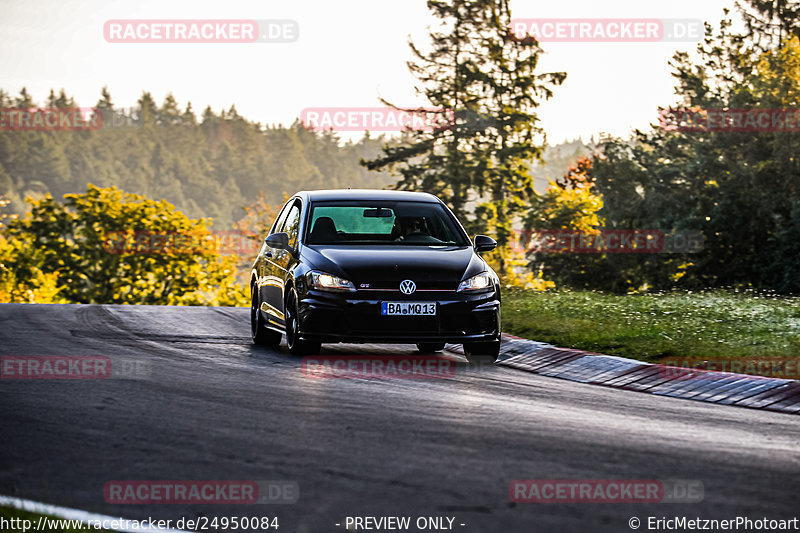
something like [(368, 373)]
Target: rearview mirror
[(278, 240), (380, 212), (484, 243)]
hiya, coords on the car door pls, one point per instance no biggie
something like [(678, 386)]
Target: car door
[(283, 260), (270, 285)]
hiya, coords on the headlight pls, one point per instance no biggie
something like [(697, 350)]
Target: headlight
[(481, 282), (328, 282)]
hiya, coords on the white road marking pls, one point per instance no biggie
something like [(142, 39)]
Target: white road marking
[(75, 514)]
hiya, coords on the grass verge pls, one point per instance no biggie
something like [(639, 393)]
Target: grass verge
[(653, 327)]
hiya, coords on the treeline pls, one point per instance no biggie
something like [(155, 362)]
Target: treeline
[(208, 166), (739, 189)]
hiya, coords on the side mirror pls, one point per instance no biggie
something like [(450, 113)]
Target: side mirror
[(278, 240), (484, 243)]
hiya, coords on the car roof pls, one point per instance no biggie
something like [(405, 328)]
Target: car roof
[(367, 194)]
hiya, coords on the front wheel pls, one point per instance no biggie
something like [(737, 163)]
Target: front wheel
[(482, 352), (297, 346), (260, 333)]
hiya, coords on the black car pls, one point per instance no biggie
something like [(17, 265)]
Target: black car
[(374, 266)]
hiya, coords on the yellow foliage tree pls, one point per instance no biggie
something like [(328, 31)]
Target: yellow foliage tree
[(109, 246)]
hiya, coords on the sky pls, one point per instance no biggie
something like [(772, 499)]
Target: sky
[(348, 53)]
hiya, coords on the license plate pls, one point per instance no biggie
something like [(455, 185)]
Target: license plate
[(408, 308)]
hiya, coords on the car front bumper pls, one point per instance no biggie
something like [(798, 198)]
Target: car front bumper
[(356, 317)]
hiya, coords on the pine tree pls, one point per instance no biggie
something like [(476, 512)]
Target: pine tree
[(63, 101), (485, 81), (169, 113), (105, 99), (188, 117), (106, 108), (146, 111), (24, 100)]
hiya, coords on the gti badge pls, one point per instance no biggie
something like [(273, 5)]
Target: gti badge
[(407, 286)]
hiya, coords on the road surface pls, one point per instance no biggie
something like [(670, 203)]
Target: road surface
[(203, 403)]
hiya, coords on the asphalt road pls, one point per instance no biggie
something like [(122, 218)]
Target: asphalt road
[(205, 404)]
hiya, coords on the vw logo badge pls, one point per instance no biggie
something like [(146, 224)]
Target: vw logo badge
[(407, 286)]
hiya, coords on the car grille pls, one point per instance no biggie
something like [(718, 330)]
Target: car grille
[(393, 286)]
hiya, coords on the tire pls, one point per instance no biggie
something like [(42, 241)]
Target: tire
[(297, 346), (430, 347), (482, 352), (260, 333)]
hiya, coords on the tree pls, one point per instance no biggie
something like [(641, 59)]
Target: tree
[(740, 189), (438, 160), (188, 117), (571, 203), (146, 111), (108, 246), (169, 113), (22, 282), (105, 99), (484, 81), (771, 21), (24, 100), (63, 101)]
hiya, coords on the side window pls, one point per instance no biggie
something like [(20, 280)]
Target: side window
[(292, 224), (276, 227)]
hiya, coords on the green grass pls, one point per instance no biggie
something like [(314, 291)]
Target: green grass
[(653, 327), (7, 513)]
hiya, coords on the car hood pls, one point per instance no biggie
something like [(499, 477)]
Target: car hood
[(428, 267)]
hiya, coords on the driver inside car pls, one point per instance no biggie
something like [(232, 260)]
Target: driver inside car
[(412, 227)]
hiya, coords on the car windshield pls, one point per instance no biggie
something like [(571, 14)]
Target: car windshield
[(400, 223)]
